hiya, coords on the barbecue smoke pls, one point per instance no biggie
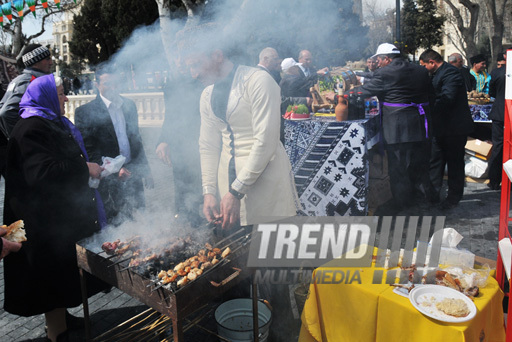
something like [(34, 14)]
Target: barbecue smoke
[(242, 29)]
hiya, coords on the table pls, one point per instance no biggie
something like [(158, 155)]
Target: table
[(330, 164), (368, 312)]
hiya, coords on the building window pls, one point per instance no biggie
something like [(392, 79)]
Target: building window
[(64, 40), (64, 49)]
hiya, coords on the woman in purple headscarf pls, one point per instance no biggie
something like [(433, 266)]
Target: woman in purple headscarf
[(47, 187)]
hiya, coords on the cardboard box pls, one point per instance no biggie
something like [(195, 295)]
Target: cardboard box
[(478, 148)]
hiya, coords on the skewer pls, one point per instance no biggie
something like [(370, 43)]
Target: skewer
[(229, 237), (127, 267)]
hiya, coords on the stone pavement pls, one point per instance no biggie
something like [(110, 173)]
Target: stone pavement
[(476, 218)]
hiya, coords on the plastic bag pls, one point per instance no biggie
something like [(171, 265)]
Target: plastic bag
[(110, 166)]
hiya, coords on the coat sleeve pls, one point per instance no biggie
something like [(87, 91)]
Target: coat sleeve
[(374, 86), (9, 112), (210, 144), (42, 165), (265, 100)]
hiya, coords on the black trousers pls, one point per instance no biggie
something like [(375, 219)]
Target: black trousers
[(448, 151), (496, 160), (408, 165)]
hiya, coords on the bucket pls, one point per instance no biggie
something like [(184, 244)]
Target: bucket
[(234, 320)]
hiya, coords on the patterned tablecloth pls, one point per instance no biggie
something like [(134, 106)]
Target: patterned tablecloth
[(330, 163), (480, 113)]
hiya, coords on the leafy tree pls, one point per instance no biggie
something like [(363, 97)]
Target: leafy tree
[(409, 20), (103, 25), (430, 25), (15, 29)]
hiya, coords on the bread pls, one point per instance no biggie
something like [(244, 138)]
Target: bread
[(15, 232), (453, 307)]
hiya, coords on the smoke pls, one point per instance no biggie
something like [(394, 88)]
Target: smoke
[(241, 29)]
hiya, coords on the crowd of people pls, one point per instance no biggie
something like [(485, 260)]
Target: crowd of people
[(230, 161)]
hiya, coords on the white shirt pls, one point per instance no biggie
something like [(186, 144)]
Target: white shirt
[(117, 117)]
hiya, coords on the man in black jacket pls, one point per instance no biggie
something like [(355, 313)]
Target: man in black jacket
[(403, 91), (497, 115), (452, 123), (109, 126)]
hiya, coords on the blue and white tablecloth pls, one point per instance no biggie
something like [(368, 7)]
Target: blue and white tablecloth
[(330, 164), (480, 113)]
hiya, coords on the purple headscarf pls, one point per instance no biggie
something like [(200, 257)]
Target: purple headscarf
[(41, 99)]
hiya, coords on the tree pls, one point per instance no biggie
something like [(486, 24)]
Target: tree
[(464, 38), (381, 25), (103, 25), (409, 20), (430, 25), (15, 30)]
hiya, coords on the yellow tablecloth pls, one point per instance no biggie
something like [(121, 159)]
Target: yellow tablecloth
[(368, 312)]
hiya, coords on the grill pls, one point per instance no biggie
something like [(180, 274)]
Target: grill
[(141, 282)]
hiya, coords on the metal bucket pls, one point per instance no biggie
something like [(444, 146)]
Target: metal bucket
[(234, 320)]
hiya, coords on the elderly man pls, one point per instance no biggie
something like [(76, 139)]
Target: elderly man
[(456, 60), (478, 66), (270, 62), (38, 62), (403, 90), (452, 123)]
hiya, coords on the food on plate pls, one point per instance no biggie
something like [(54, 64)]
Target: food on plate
[(15, 232), (453, 307)]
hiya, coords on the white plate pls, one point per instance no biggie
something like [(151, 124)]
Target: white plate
[(424, 299)]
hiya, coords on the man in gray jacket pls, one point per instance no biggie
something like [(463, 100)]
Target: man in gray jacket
[(38, 62)]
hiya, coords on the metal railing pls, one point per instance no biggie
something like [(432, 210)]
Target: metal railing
[(150, 106)]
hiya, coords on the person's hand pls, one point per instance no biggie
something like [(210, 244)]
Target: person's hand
[(94, 170), (124, 174), (148, 182), (163, 153), (210, 208), (229, 210), (8, 246), (323, 71)]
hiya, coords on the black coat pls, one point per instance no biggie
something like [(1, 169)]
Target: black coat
[(497, 90), (450, 113), (297, 85), (401, 82), (47, 187), (469, 80), (94, 122)]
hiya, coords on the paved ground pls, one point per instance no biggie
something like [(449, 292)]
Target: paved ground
[(476, 218)]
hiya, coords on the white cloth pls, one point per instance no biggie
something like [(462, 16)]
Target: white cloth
[(117, 116), (262, 166)]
